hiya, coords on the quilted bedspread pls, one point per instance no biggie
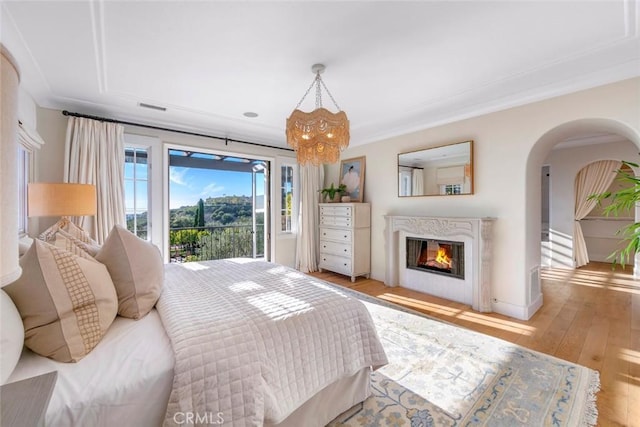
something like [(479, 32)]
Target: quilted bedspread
[(254, 340)]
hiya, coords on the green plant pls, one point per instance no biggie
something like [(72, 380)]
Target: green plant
[(624, 201), (332, 191)]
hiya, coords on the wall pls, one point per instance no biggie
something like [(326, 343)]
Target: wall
[(565, 165), (506, 173), (52, 127)]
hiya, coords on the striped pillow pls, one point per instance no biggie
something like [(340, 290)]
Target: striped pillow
[(69, 227), (66, 302), (66, 241)]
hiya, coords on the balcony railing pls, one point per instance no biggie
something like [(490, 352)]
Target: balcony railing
[(206, 243)]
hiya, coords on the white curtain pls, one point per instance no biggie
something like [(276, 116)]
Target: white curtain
[(307, 245), (417, 184), (94, 154), (594, 178)]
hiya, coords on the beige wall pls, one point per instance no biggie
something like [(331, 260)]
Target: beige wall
[(507, 177)]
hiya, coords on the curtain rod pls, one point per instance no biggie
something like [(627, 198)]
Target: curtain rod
[(185, 132)]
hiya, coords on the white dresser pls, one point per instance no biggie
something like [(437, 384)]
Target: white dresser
[(345, 238)]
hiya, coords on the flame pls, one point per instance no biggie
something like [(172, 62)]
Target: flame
[(443, 258)]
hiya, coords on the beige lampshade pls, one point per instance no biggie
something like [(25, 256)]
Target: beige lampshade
[(61, 199)]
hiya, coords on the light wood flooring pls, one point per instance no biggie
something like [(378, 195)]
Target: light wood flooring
[(590, 316)]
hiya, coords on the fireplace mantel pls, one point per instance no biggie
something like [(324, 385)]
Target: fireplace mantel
[(475, 232)]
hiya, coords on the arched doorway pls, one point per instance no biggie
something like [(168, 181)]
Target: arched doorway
[(577, 144)]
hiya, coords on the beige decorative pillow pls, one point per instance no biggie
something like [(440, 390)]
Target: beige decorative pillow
[(67, 226), (136, 269), (66, 241), (66, 302)]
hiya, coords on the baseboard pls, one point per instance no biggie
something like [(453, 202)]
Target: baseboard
[(534, 306), (517, 311)]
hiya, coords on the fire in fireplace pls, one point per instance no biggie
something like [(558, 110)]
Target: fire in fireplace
[(436, 256)]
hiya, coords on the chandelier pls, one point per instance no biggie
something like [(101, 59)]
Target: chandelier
[(318, 136)]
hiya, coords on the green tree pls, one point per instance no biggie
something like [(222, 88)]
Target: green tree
[(199, 217)]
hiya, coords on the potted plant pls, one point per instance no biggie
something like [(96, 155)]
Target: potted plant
[(624, 200), (332, 194)]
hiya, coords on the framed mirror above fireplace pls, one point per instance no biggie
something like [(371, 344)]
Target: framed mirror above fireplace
[(445, 170)]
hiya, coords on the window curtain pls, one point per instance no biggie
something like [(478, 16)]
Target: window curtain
[(594, 178), (94, 154), (308, 242), (417, 184)]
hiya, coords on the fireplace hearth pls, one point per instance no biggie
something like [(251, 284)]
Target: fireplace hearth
[(436, 256)]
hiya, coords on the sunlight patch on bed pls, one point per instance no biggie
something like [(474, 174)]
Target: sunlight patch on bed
[(279, 306), (247, 285), (194, 266), (241, 260)]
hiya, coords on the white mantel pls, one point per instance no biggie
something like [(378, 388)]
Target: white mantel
[(476, 233)]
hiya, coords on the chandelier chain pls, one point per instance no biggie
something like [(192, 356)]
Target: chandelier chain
[(329, 93), (306, 93), (318, 91), (317, 82)]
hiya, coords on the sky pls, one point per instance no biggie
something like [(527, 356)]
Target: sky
[(188, 185)]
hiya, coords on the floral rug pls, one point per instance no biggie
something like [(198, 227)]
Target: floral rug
[(444, 375)]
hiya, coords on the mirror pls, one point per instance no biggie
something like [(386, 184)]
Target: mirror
[(437, 171)]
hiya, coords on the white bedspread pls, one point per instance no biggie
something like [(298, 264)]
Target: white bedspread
[(255, 340)]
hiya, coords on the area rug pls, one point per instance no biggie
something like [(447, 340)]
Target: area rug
[(444, 375)]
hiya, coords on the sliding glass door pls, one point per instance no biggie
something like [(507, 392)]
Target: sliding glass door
[(218, 206)]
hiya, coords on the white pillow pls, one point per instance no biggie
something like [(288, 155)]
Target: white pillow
[(11, 336)]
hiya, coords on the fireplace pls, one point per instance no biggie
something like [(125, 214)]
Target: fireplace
[(465, 277), (436, 256)]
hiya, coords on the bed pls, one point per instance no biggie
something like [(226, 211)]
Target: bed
[(230, 342)]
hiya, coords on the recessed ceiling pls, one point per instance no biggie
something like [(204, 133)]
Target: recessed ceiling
[(394, 67)]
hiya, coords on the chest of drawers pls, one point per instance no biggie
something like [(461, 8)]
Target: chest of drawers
[(345, 238)]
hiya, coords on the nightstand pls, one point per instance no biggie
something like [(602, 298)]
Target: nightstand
[(24, 403)]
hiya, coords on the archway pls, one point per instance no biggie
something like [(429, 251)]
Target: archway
[(537, 156)]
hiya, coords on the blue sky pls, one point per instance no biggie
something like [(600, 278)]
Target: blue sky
[(188, 185)]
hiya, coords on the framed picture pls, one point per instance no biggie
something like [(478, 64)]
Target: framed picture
[(352, 175)]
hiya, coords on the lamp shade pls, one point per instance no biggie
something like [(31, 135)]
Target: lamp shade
[(61, 199)]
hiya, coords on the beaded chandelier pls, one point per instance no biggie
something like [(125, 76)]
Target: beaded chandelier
[(319, 136)]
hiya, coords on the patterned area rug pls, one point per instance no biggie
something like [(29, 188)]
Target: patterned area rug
[(444, 375)]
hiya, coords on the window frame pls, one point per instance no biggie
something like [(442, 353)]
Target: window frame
[(294, 198), (29, 142), (147, 148)]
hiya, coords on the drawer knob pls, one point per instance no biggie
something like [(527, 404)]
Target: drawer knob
[(345, 250)]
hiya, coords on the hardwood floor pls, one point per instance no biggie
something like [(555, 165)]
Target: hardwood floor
[(590, 316)]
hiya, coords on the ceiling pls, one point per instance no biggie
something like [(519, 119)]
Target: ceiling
[(393, 67)]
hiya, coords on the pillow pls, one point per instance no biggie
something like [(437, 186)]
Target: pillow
[(67, 242), (66, 302), (67, 226), (11, 336), (137, 271)]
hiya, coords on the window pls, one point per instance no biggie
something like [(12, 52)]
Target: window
[(136, 190), (451, 189), (24, 160), (29, 142), (286, 204)]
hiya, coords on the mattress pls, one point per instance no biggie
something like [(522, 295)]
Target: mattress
[(125, 381)]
